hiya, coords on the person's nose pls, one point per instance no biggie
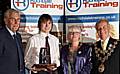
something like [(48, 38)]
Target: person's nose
[(17, 21), (46, 25), (101, 30)]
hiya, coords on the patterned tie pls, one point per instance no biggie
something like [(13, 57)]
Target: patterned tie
[(20, 58), (48, 59), (103, 45)]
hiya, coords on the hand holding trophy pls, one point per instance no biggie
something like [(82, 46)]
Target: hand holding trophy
[(44, 67), (44, 62)]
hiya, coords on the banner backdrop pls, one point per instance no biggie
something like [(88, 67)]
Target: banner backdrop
[(31, 11), (87, 12), (84, 13)]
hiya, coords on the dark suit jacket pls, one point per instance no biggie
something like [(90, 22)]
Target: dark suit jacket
[(112, 64), (8, 53)]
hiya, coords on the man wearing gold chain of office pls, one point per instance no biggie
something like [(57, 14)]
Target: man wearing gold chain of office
[(105, 57)]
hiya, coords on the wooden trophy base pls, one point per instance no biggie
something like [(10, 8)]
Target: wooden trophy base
[(44, 67)]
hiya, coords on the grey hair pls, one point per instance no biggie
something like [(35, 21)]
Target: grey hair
[(101, 20), (9, 12)]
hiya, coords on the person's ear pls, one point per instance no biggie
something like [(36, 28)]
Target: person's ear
[(5, 20)]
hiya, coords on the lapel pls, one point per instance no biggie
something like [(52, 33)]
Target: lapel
[(19, 41), (8, 36), (11, 40), (99, 44), (111, 41)]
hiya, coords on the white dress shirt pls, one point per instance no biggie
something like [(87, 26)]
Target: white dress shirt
[(33, 48), (12, 33)]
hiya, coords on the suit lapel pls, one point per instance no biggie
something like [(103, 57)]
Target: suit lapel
[(11, 40), (8, 35), (111, 41), (19, 40), (99, 44)]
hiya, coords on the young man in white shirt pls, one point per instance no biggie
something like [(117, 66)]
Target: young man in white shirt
[(38, 41)]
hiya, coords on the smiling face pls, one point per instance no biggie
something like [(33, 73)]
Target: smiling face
[(74, 33), (74, 36), (12, 21), (46, 26), (103, 29), (45, 23)]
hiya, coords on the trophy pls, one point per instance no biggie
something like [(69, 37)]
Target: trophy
[(44, 59), (42, 56)]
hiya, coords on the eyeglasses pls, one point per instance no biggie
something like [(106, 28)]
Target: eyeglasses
[(102, 28), (14, 19)]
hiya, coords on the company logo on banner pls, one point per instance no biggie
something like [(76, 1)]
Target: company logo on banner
[(85, 13), (99, 3), (21, 4), (73, 5), (25, 4), (31, 10)]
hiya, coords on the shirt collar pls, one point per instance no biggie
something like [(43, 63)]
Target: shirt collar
[(12, 33), (44, 34), (106, 41)]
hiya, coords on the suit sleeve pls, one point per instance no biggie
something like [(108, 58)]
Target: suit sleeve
[(1, 47)]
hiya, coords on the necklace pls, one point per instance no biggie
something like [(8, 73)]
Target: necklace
[(72, 53), (103, 55), (74, 48)]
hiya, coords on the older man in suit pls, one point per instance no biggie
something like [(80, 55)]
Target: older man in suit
[(11, 52), (106, 51)]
